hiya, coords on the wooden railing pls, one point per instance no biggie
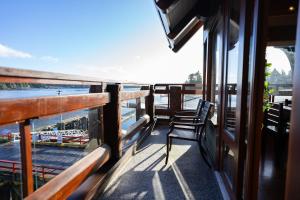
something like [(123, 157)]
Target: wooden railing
[(105, 96), (175, 94)]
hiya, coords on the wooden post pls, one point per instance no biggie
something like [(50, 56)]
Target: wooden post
[(149, 102), (175, 99), (138, 109), (112, 121), (26, 158), (95, 122)]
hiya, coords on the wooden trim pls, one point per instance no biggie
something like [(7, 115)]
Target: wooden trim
[(255, 117), (204, 69), (14, 110), (134, 95), (209, 68), (26, 157), (61, 186), (134, 128), (293, 164), (242, 93)]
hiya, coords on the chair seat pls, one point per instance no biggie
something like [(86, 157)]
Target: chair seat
[(183, 134)]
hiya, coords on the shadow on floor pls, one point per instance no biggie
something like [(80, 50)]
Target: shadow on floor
[(147, 177)]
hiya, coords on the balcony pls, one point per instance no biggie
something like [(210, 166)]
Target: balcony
[(115, 149)]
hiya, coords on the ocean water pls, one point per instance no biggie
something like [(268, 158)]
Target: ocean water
[(44, 122)]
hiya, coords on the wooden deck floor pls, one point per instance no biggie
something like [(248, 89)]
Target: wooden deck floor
[(147, 177)]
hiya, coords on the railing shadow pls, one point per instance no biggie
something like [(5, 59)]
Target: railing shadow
[(147, 177)]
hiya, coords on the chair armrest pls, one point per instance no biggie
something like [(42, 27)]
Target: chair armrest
[(187, 124), (184, 112), (185, 116)]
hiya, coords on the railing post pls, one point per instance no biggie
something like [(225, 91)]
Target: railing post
[(138, 108), (26, 157), (175, 99), (149, 102), (95, 120), (112, 121)]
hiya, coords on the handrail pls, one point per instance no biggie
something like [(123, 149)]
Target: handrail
[(134, 95), (61, 186), (13, 110), (13, 75), (134, 128)]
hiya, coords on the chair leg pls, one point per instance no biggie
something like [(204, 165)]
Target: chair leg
[(167, 157), (171, 141)]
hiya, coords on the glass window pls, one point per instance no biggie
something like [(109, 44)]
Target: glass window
[(232, 67), (228, 163)]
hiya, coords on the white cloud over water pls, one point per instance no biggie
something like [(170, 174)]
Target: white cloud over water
[(6, 51)]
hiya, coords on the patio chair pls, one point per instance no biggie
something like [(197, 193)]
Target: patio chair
[(274, 121), (192, 131), (188, 115), (275, 135)]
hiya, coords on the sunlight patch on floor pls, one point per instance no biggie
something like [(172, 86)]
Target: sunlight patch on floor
[(157, 187), (182, 182)]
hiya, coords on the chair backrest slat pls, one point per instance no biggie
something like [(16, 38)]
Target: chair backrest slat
[(274, 116), (204, 117), (199, 107)]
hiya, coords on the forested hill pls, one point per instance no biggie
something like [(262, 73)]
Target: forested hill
[(12, 86)]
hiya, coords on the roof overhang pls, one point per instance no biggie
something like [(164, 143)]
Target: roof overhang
[(181, 19)]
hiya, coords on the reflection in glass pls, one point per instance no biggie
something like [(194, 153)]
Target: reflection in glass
[(216, 69), (232, 67), (228, 163)]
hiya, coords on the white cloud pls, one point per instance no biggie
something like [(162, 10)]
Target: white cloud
[(49, 59), (10, 52)]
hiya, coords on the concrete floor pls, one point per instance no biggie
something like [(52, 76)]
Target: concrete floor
[(147, 177)]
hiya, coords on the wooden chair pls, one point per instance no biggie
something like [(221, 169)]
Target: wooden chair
[(183, 115), (274, 121), (275, 136), (192, 131)]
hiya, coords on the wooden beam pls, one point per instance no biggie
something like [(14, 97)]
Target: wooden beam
[(112, 121), (64, 184), (13, 110), (26, 158), (133, 95)]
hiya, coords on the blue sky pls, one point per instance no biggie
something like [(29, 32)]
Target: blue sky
[(111, 39)]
